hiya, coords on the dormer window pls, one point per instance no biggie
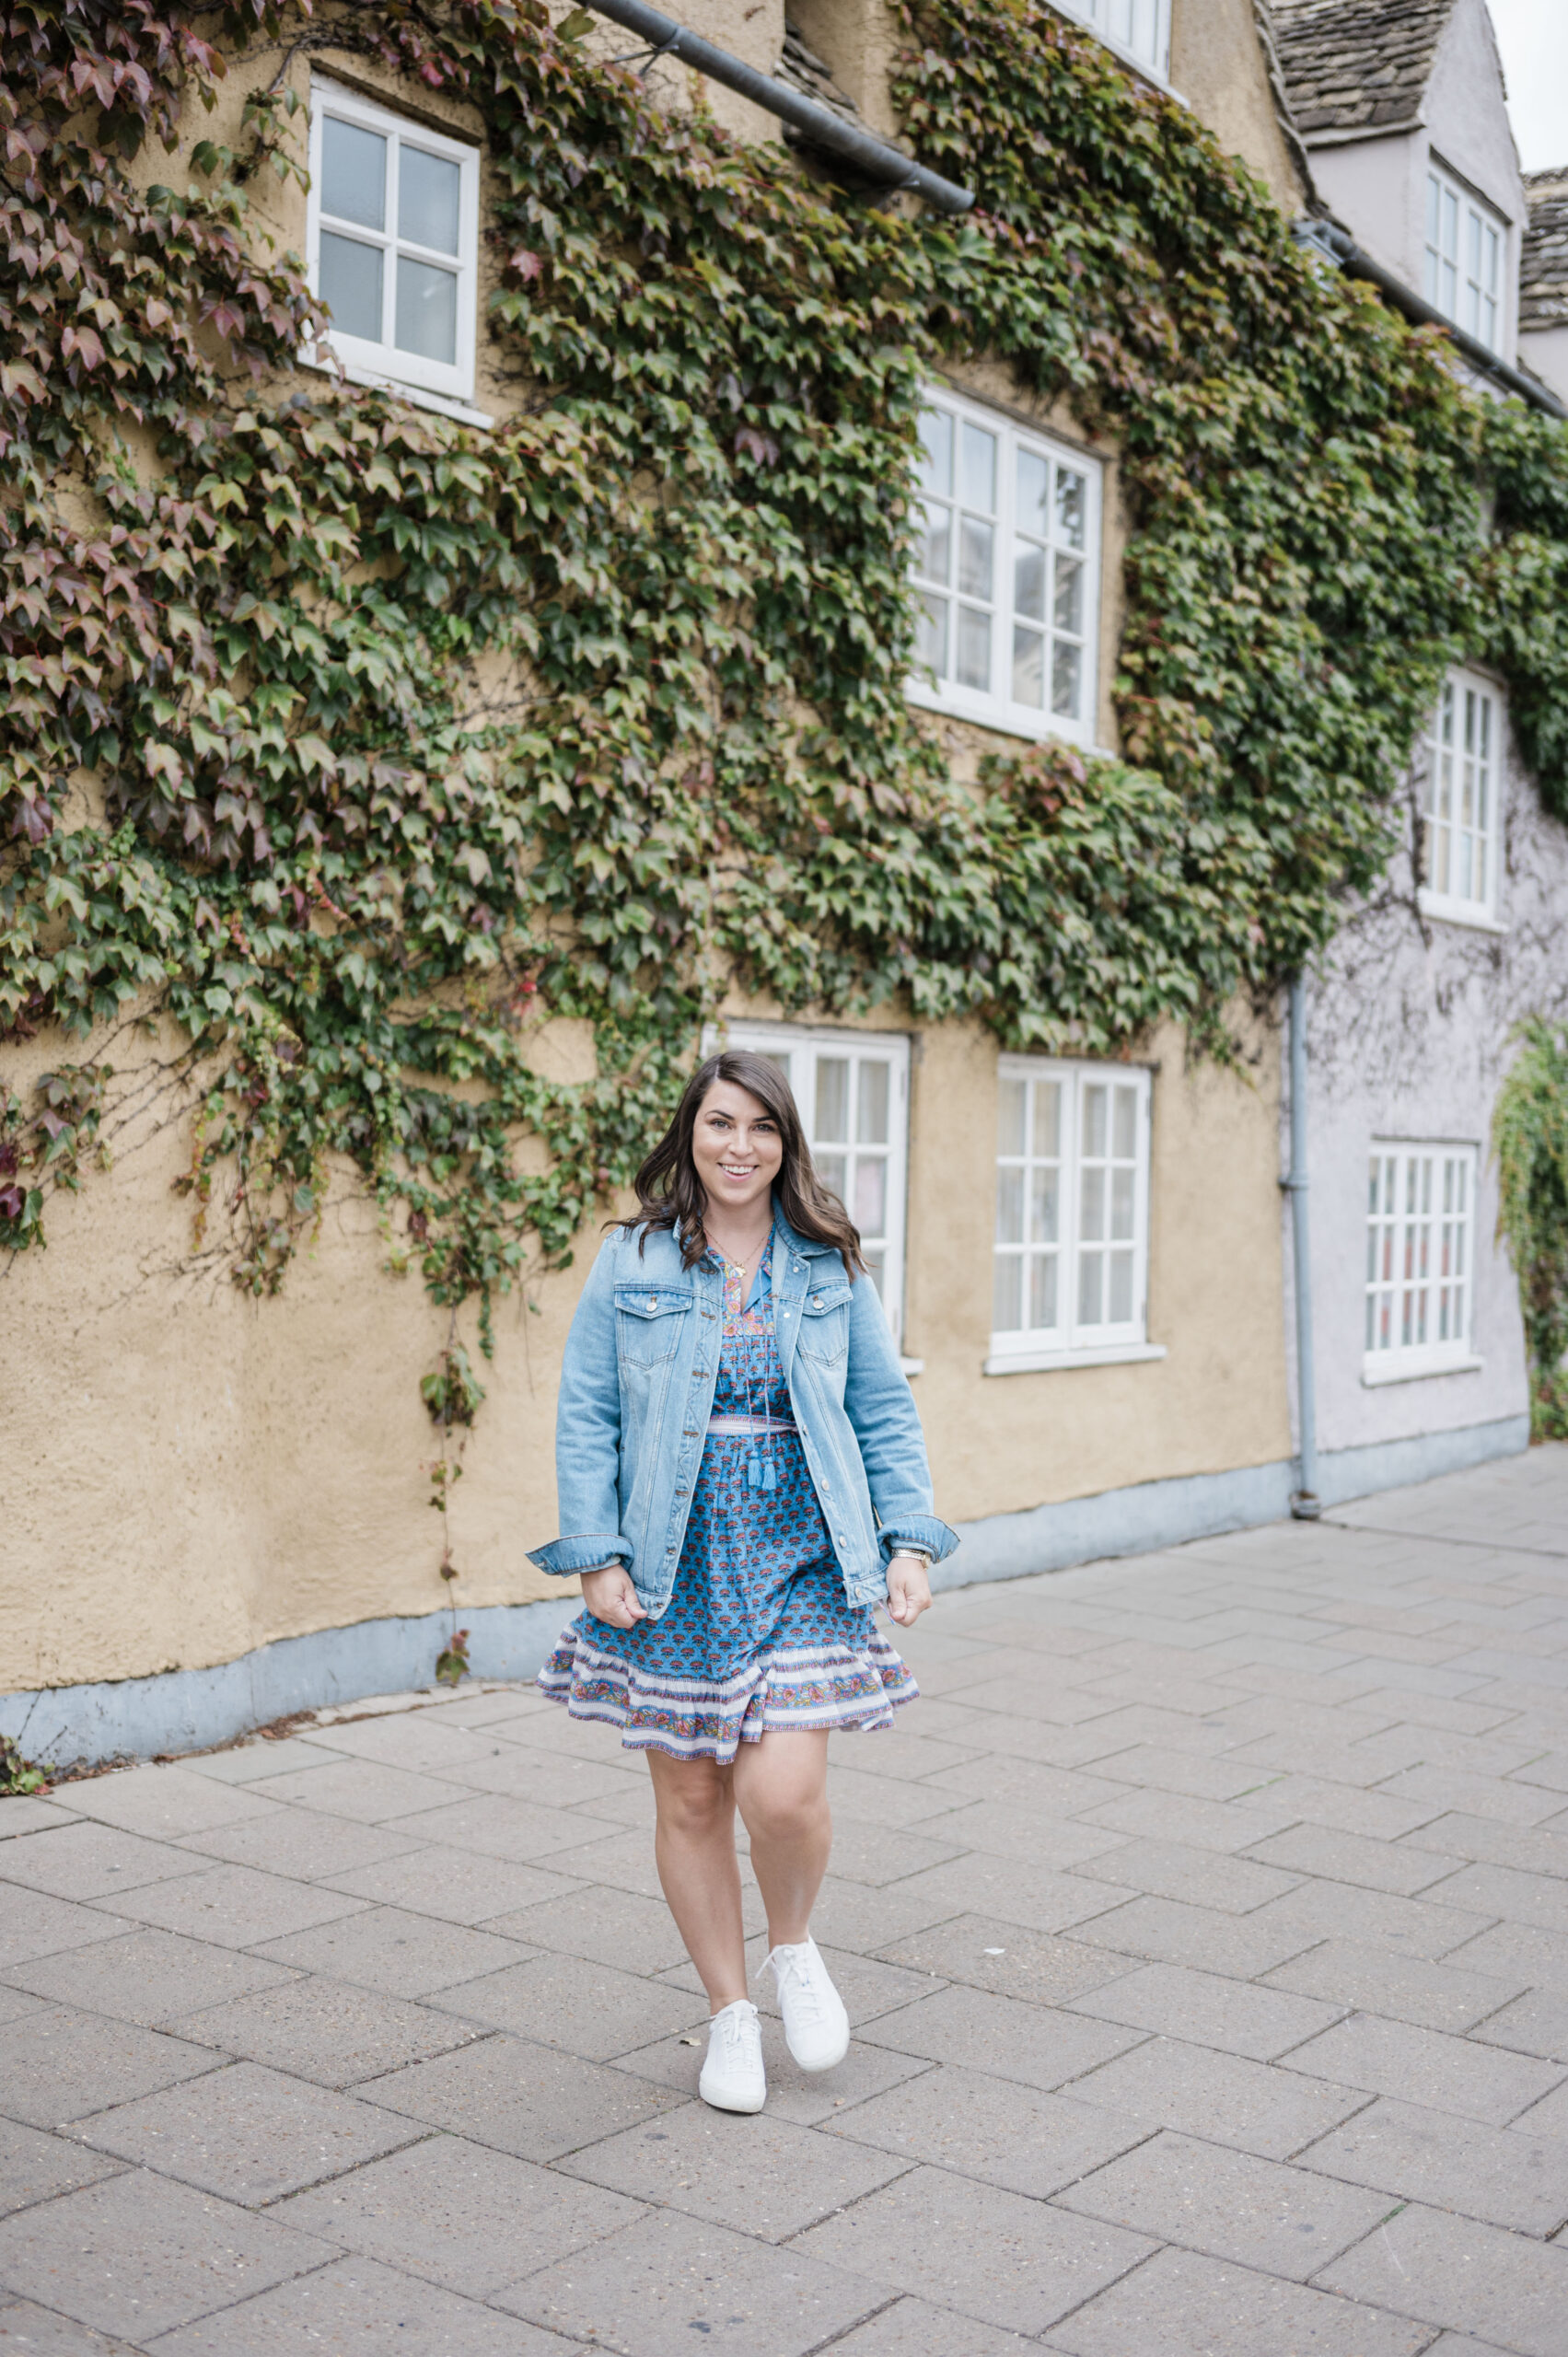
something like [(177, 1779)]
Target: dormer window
[(1466, 245)]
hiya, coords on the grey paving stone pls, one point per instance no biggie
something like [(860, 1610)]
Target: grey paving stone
[(1510, 1800), (83, 1860), (363, 1789), (30, 1813), (1457, 2272), (1036, 2045), (1231, 2205), (16, 2004), (1510, 2177), (499, 1825), (383, 1948), (1009, 2134), (235, 1907), (261, 1756), (419, 1742), (331, 2031), (880, 1800), (307, 1843), (534, 1772), (1222, 2098), (673, 2284), (530, 2100), (1338, 1911), (1000, 1829), (1027, 1783), (1536, 2023), (356, 2305), (1011, 1889), (985, 1954), (1208, 2010), (763, 2176), (35, 2167), (161, 1803), (974, 2248), (808, 2098), (33, 2331), (56, 2066), (1357, 1858), (1548, 2117), (1198, 1877), (898, 1752), (913, 2329), (1517, 1952), (1170, 1770), (848, 1915), (878, 1854), (1223, 1825), (1381, 1981), (616, 1927), (1182, 2305), (138, 2255), (457, 1885), (1350, 1808), (1486, 1841), (1539, 1900), (1166, 1930), (33, 1923), (587, 2009), (1423, 2066), (459, 2214), (247, 2133), (149, 1976)]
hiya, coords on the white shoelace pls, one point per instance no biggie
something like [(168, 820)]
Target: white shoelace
[(795, 1964), (730, 2026)]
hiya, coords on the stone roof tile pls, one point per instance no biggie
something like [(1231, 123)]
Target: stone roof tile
[(1356, 65), (1543, 258)]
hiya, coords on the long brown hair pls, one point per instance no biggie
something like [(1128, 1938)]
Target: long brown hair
[(671, 1196)]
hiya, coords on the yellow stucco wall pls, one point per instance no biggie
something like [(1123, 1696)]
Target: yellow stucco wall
[(191, 1472)]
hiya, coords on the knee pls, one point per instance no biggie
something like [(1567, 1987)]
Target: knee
[(695, 1809), (787, 1815)]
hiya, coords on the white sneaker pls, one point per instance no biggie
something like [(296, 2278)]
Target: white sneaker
[(816, 2026), (733, 2078)]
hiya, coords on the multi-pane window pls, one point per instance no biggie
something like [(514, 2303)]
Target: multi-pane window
[(1466, 248), (1070, 1262), (1139, 27), (852, 1091), (1420, 1255), (1007, 564), (393, 237), (1460, 801)]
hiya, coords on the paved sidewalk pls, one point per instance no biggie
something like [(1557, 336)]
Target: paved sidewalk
[(1207, 1935)]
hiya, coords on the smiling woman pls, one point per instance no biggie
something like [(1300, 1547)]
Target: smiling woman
[(736, 1501)]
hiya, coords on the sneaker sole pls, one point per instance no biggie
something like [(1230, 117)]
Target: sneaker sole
[(830, 2063), (715, 2103)]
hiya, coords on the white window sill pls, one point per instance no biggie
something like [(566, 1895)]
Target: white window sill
[(1466, 912), (1046, 1361), (419, 396), (1007, 720), (1414, 1367), (911, 1366)]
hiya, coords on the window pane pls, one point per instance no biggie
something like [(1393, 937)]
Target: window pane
[(427, 310), (1045, 1187), (1028, 667), (351, 285), (1119, 1310), (1091, 1205), (1012, 1098), (1033, 492), (935, 450), (978, 467), (1067, 611), (353, 175), (429, 194), (1048, 1118), (1094, 1120), (832, 1100), (1071, 507), (869, 1209), (976, 544), (1121, 1205), (1090, 1288), (872, 1126), (974, 648), (1066, 669), (1125, 1144), (1042, 1292), (1029, 584), (832, 1169), (1007, 1292), (876, 1268), (934, 549), (1009, 1207), (931, 635)]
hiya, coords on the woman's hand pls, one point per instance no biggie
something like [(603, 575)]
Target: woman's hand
[(909, 1590), (610, 1597)]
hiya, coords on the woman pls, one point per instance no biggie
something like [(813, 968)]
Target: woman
[(741, 1476)]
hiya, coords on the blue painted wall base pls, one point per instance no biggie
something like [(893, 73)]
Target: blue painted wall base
[(188, 1710)]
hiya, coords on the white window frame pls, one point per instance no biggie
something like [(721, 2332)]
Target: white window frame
[(383, 362), (1461, 799), (1138, 30), (994, 706), (800, 1047), (1420, 1247), (1459, 234), (1070, 1342)]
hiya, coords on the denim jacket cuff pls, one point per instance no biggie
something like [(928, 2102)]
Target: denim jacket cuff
[(566, 1557), (926, 1531)]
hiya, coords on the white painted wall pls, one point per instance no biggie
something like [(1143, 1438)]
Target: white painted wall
[(1546, 351)]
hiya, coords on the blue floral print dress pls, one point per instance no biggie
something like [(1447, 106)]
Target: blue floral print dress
[(759, 1633)]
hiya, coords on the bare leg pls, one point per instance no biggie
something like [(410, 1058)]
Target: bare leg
[(781, 1788), (694, 1845)]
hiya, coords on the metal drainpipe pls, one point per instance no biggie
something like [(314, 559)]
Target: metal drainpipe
[(1305, 1504), (877, 158)]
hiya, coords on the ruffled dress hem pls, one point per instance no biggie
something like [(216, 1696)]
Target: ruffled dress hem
[(786, 1688)]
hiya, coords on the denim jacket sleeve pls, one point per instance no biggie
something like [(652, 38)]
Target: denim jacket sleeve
[(587, 1434), (882, 1413)]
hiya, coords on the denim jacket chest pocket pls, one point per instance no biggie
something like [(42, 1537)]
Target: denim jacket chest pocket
[(824, 1321), (648, 1322)]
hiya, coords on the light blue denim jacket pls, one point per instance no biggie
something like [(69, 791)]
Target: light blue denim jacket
[(637, 1387)]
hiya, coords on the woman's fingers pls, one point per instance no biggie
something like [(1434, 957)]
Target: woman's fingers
[(611, 1597)]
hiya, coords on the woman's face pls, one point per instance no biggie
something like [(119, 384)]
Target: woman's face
[(736, 1148)]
